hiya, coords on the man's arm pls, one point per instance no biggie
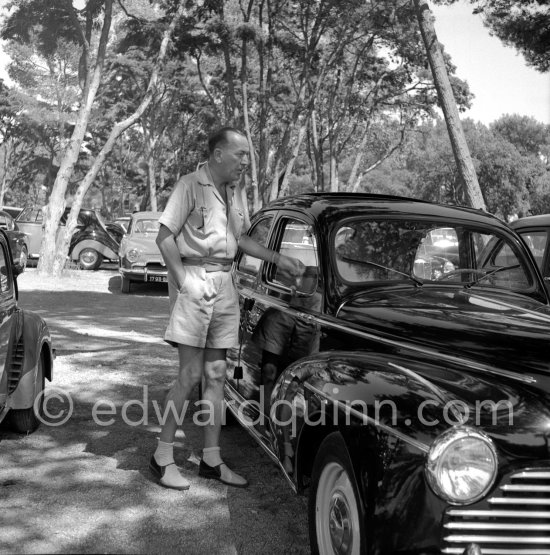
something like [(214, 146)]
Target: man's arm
[(291, 265), (170, 253)]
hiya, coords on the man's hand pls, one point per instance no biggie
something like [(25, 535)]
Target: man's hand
[(291, 266)]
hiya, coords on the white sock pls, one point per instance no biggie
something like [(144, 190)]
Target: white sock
[(211, 456), (165, 453)]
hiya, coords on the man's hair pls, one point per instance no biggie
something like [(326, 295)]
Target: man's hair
[(221, 137)]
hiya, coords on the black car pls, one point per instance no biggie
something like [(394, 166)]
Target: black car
[(19, 241), (26, 355), (411, 405), (90, 243)]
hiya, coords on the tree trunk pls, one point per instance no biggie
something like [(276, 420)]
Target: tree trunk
[(352, 181), (334, 185), (52, 255), (465, 166), (117, 130), (290, 164)]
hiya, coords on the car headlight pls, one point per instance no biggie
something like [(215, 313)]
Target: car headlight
[(132, 255), (462, 465)]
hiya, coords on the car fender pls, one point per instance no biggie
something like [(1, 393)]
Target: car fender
[(36, 342), (92, 244)]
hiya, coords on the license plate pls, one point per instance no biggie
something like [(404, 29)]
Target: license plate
[(157, 278)]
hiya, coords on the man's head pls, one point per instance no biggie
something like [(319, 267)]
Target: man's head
[(229, 154)]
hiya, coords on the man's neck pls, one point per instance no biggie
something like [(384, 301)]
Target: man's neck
[(218, 181)]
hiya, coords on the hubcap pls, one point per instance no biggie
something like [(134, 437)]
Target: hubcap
[(88, 257), (337, 516)]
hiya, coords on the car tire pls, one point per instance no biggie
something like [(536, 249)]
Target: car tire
[(89, 259), (336, 512), (26, 421), (124, 285)]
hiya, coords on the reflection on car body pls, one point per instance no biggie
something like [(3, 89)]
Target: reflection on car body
[(361, 378)]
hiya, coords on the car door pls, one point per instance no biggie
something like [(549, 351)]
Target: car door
[(7, 318), (30, 222), (537, 239), (279, 319)]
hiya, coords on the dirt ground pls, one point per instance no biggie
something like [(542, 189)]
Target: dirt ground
[(83, 485)]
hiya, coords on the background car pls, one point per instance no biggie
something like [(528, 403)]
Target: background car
[(139, 255), (535, 231), (13, 211), (412, 407), (91, 241), (19, 241), (26, 356)]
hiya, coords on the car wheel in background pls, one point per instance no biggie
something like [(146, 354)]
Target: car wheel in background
[(90, 259), (336, 514), (25, 421), (124, 285)]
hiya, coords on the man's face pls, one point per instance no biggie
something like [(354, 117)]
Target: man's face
[(233, 157)]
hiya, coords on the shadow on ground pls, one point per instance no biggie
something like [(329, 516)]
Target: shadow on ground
[(84, 486)]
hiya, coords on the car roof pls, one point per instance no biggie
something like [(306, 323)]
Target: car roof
[(145, 215), (325, 205), (529, 221)]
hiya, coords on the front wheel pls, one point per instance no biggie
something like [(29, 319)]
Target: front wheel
[(25, 421), (90, 259), (336, 513)]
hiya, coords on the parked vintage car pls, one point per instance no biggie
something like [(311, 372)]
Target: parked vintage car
[(90, 243), (535, 231), (26, 356), (19, 241), (13, 211), (139, 256), (413, 406)]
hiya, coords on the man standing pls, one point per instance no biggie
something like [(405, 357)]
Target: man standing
[(202, 226)]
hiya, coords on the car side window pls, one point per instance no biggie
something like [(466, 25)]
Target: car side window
[(260, 233), (536, 241), (298, 241), (5, 284)]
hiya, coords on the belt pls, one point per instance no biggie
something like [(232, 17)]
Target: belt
[(210, 264)]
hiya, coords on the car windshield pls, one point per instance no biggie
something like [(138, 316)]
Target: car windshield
[(405, 250), (146, 226)]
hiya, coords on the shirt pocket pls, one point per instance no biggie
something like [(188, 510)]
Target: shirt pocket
[(197, 221), (236, 221)]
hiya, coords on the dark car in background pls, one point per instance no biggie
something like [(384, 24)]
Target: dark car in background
[(19, 241), (139, 257), (411, 405), (26, 356), (535, 231), (91, 241)]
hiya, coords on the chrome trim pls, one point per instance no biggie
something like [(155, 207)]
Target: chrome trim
[(496, 526), (518, 501), (368, 420), (437, 354), (504, 551), (526, 487), (533, 475), (499, 539), (501, 514)]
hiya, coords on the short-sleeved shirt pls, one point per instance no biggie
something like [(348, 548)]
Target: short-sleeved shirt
[(203, 225)]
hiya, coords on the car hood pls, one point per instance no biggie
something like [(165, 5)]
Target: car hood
[(510, 332), (146, 245)]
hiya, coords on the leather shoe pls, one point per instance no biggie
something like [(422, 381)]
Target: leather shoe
[(215, 473), (167, 482)]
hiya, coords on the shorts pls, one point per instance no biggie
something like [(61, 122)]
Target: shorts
[(205, 312)]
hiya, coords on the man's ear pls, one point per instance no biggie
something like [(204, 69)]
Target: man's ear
[(218, 154)]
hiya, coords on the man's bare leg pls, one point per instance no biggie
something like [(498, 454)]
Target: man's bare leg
[(212, 465), (190, 371)]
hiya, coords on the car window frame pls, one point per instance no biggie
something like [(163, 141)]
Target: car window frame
[(545, 270), (276, 237), (255, 223), (6, 296)]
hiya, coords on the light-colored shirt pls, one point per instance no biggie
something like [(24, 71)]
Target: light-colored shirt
[(203, 225)]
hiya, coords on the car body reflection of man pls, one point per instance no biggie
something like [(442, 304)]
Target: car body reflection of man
[(285, 338)]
